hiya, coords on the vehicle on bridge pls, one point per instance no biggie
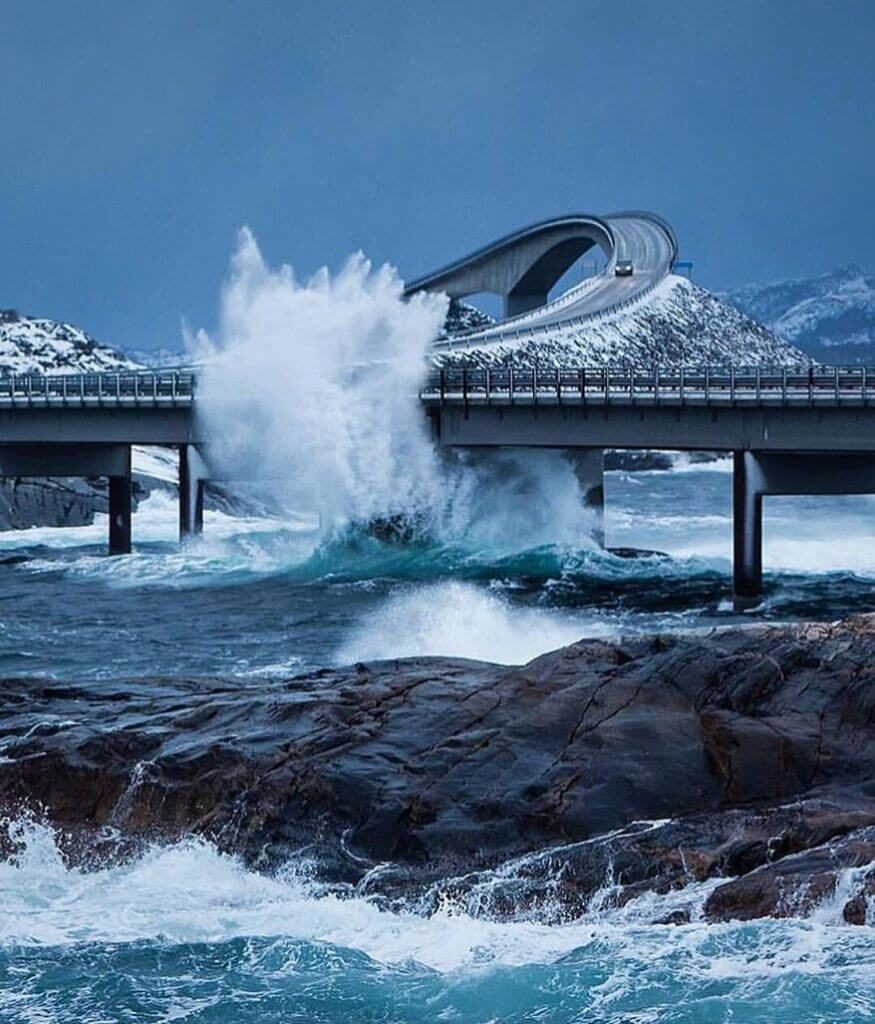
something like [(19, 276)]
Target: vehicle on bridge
[(524, 266)]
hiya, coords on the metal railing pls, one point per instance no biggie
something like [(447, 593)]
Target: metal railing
[(694, 385), (514, 328), (140, 388)]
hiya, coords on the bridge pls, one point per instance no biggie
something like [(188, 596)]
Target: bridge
[(808, 430), (523, 266), (85, 424), (805, 430)]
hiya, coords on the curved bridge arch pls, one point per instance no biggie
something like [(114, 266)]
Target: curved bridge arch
[(523, 266), (653, 218)]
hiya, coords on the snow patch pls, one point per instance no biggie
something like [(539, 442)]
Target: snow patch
[(676, 323), (39, 345)]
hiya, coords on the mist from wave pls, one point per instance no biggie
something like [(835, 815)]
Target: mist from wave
[(311, 390)]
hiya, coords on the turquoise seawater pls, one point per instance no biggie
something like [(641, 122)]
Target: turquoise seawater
[(182, 933)]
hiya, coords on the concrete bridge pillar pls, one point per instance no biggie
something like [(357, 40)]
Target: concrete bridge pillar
[(192, 476), (747, 529), (589, 467), (120, 508), (756, 474)]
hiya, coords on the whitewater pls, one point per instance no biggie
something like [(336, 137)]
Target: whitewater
[(185, 933), (485, 559)]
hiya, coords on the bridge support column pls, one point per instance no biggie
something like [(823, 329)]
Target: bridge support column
[(747, 529), (120, 509), (589, 467), (191, 492)]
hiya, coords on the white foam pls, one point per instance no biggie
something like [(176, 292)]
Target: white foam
[(461, 620), (312, 390), (231, 546), (188, 892)]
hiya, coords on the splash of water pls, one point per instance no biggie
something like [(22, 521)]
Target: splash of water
[(313, 387), (188, 892), (465, 621)]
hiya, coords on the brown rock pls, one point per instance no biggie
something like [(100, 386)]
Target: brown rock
[(744, 746)]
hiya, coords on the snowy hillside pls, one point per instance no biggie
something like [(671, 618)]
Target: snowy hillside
[(831, 317), (38, 345), (463, 317), (676, 323)]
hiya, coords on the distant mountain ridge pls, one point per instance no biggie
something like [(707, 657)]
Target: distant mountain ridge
[(831, 317)]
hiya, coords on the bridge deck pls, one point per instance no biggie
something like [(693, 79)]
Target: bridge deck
[(705, 386), (791, 430), (141, 389)]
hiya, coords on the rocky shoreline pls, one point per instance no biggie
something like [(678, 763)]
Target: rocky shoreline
[(741, 757)]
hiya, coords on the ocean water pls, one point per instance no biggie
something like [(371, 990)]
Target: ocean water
[(183, 933), (314, 384)]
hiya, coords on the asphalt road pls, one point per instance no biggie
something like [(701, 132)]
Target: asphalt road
[(644, 241)]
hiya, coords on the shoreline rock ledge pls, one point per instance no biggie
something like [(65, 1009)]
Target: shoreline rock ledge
[(741, 757)]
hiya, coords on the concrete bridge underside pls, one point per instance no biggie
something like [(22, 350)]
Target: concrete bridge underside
[(112, 461), (524, 266), (83, 440), (776, 451)]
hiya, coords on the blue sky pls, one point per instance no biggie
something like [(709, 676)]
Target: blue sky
[(135, 139)]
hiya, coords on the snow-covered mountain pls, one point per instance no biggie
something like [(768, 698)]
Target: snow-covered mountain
[(38, 345), (463, 317), (831, 317), (676, 323)]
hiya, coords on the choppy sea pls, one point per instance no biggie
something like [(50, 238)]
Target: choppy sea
[(186, 934)]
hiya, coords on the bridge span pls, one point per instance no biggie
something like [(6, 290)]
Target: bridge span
[(790, 431), (523, 267), (85, 425), (809, 430)]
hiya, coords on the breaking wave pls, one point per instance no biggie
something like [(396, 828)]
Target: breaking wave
[(312, 389), (184, 932)]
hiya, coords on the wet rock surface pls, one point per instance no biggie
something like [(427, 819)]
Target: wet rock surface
[(742, 758)]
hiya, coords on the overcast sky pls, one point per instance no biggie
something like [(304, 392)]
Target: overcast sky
[(135, 138)]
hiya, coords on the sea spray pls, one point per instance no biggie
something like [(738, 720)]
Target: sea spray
[(464, 620), (311, 388)]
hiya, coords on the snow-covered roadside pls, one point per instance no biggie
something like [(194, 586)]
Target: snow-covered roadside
[(677, 323)]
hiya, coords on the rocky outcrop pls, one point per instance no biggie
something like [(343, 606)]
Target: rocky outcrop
[(676, 324), (647, 459), (31, 344), (742, 758), (794, 884)]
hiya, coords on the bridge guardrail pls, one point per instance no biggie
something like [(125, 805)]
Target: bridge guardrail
[(496, 333), (514, 328), (710, 385), (137, 388)]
